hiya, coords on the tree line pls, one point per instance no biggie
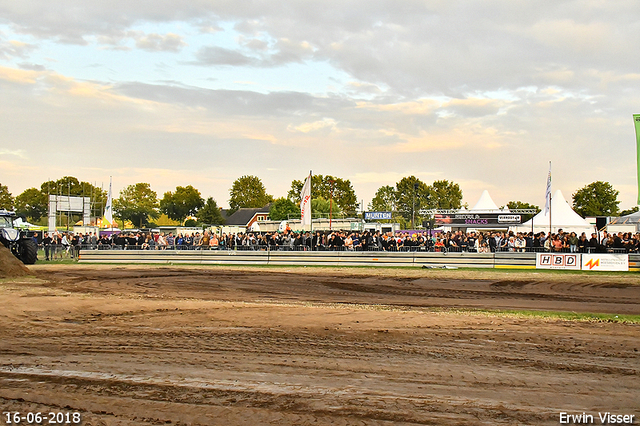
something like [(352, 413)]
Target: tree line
[(140, 205)]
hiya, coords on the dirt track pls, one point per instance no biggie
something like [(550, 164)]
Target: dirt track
[(198, 346)]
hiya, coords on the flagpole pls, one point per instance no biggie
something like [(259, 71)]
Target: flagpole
[(550, 227), (311, 213)]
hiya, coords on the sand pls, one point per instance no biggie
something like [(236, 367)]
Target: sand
[(232, 346)]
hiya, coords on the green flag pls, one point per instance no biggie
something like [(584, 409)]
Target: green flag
[(636, 120)]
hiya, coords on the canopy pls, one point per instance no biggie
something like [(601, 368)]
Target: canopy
[(630, 219), (562, 217)]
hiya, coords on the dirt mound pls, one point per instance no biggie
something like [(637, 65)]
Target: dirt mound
[(10, 266)]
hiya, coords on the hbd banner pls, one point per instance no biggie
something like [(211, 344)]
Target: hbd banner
[(558, 261)]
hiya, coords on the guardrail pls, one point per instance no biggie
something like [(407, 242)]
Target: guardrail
[(321, 258)]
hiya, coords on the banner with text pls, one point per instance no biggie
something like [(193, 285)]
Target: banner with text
[(558, 261), (636, 120), (605, 262), (478, 219)]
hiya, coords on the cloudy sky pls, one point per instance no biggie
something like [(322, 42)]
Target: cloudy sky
[(482, 93)]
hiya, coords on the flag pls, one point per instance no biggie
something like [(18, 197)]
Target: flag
[(107, 219), (547, 195), (305, 202), (636, 119)]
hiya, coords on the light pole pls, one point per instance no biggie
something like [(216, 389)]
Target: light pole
[(413, 209), (330, 202)]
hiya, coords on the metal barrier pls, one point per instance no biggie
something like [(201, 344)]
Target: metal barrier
[(322, 258)]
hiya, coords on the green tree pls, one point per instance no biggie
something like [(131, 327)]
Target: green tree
[(328, 187), (248, 192), (626, 212), (446, 195), (322, 207), (210, 213), (6, 199), (32, 203), (283, 208), (596, 199), (185, 201), (384, 200), (136, 203), (410, 190), (519, 205)]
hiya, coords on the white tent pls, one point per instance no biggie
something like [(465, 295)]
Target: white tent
[(562, 217), (485, 204)]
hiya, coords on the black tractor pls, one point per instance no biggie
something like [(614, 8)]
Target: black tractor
[(21, 245)]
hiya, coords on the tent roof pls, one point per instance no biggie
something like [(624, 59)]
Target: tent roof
[(562, 215), (630, 219), (485, 203)]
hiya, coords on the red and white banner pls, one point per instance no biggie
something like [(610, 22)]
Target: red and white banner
[(305, 203), (558, 261)]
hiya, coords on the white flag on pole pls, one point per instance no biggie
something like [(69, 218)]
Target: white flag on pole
[(547, 196), (107, 219), (305, 202)]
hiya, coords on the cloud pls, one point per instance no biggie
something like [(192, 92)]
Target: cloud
[(31, 67), (160, 43), (214, 55), (15, 49)]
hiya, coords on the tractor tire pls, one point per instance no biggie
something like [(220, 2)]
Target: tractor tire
[(28, 250)]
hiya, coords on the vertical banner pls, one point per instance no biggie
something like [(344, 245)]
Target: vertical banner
[(547, 194), (305, 203), (636, 120), (107, 219)]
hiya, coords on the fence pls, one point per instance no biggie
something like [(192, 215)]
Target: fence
[(322, 258)]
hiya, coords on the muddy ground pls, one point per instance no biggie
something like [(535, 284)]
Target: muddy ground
[(314, 346)]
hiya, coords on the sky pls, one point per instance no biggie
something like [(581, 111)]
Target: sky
[(481, 93)]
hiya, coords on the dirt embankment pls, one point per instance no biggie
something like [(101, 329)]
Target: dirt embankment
[(10, 266)]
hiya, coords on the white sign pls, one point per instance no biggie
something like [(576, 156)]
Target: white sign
[(558, 261), (377, 215), (605, 262), (509, 218)]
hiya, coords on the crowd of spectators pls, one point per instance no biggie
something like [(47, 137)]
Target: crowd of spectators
[(60, 245)]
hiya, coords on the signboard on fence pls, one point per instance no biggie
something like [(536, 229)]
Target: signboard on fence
[(377, 215), (478, 219), (605, 262), (558, 261)]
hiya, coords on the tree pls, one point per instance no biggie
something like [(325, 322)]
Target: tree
[(519, 205), (186, 201), (596, 199), (328, 187), (626, 212), (384, 200), (32, 203), (320, 206), (446, 195), (248, 192), (136, 203), (409, 190), (210, 213), (283, 208), (6, 199)]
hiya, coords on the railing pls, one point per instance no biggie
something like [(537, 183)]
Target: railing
[(59, 252)]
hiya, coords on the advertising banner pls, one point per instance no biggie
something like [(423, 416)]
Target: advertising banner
[(377, 215), (605, 262), (558, 261), (636, 120), (478, 219)]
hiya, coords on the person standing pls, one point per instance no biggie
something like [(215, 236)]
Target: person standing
[(46, 243)]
